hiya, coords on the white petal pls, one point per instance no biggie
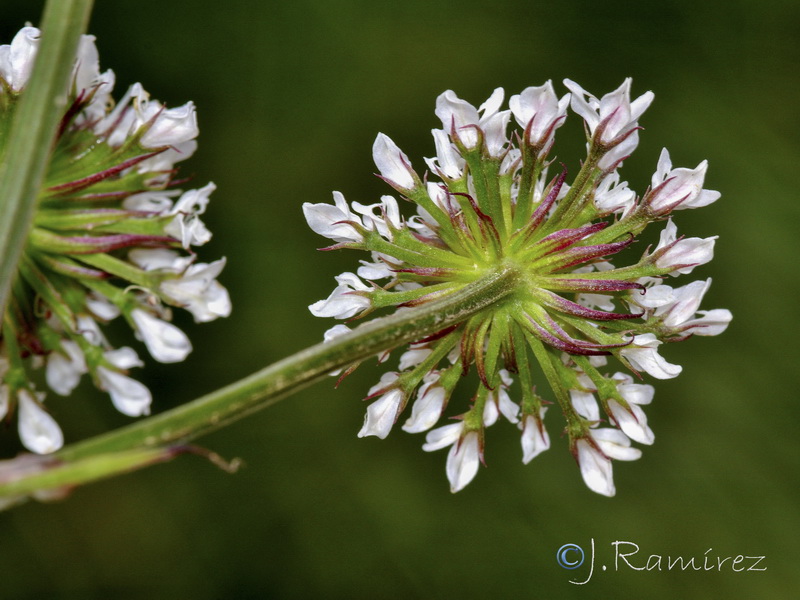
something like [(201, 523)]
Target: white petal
[(508, 408), (156, 259), (615, 444), (328, 221), (458, 118), (17, 61), (444, 436), (427, 408), (711, 322), (462, 461), (63, 371), (172, 126), (392, 162), (643, 355), (686, 300), (123, 358), (633, 423), (595, 468), (38, 431), (165, 342), (535, 439), (130, 397), (382, 414), (342, 303)]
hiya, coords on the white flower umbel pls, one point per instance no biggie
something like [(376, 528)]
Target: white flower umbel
[(110, 236), (488, 208)]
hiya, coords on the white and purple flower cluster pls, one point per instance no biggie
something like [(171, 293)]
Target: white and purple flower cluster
[(113, 237), (488, 199)]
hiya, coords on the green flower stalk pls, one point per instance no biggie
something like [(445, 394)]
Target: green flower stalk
[(112, 237), (496, 206)]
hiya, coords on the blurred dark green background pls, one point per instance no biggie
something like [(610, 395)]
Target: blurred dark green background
[(290, 98)]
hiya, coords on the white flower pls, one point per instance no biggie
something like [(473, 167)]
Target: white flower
[(540, 112), (64, 369), (680, 311), (460, 119), (633, 393), (165, 342), (331, 221), (684, 303), (198, 291), (678, 188), (585, 404), (652, 297), (412, 357), (87, 78), (382, 413), (151, 201), (443, 436), (187, 226), (171, 127), (387, 219), (130, 397), (595, 464), (633, 422), (155, 259), (448, 163), (611, 196), (101, 307), (682, 256), (711, 322), (464, 455), (643, 355), (618, 115), (124, 358), (535, 439), (335, 332), (463, 460), (392, 162), (428, 407), (499, 402), (16, 59), (601, 301), (374, 270), (38, 431), (343, 303)]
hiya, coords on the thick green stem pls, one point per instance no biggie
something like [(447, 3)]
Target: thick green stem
[(289, 375), (41, 107)]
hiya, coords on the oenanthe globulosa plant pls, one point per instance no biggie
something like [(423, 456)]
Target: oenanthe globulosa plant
[(498, 260)]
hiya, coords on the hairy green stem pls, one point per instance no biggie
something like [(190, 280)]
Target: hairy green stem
[(29, 144)]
